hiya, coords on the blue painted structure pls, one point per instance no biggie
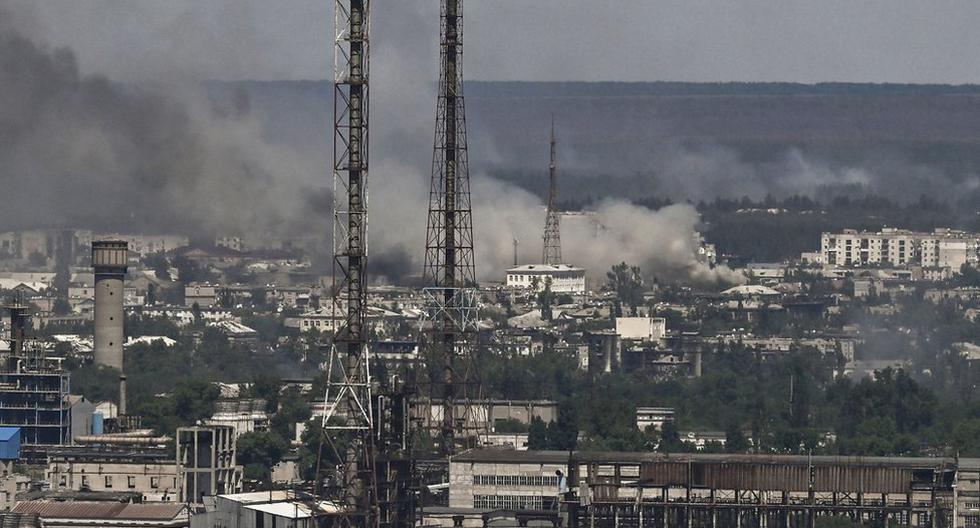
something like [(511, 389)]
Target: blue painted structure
[(97, 423), (9, 443)]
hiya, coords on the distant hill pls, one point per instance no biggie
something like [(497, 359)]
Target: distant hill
[(689, 140)]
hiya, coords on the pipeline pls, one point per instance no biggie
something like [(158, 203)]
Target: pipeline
[(122, 440)]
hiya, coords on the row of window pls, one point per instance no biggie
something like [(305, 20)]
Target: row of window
[(515, 480), (508, 502), (130, 481)]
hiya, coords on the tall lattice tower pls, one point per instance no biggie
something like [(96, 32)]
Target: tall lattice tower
[(449, 272), (348, 423), (552, 229)]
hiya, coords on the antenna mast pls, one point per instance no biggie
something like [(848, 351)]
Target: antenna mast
[(348, 418), (449, 271), (552, 232)]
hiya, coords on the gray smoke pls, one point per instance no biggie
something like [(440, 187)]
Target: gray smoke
[(82, 151)]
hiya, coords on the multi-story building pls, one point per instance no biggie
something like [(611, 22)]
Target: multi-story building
[(943, 248), (153, 474), (563, 278), (502, 479)]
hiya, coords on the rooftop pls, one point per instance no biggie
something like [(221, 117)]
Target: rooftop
[(102, 510), (544, 268), (558, 457)]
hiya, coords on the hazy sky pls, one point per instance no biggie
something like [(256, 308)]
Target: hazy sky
[(693, 40)]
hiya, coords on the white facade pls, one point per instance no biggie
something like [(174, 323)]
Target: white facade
[(645, 328), (563, 277), (653, 416), (943, 248)]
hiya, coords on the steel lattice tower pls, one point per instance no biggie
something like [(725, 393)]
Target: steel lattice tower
[(348, 423), (552, 228), (449, 272)]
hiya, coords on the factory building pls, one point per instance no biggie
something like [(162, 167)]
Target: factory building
[(152, 473), (563, 278), (611, 489)]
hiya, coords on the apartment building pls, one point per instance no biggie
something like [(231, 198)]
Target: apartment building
[(942, 248)]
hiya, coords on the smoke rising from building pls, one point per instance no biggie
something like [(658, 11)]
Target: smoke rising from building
[(80, 150)]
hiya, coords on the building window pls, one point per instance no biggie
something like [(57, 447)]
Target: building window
[(85, 481), (108, 481), (154, 482), (131, 482), (64, 481)]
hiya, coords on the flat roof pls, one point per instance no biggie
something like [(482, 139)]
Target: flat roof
[(544, 268), (625, 457)]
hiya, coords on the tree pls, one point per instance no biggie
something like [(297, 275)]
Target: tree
[(259, 451), (627, 282), (670, 439), (159, 264), (545, 298), (537, 437), (293, 409), (194, 400), (735, 441), (61, 306), (563, 432)]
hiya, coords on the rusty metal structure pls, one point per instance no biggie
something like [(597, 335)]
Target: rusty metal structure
[(551, 254), (449, 271), (777, 491), (365, 426)]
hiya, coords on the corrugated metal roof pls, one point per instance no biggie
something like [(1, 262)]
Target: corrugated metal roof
[(101, 510), (151, 511)]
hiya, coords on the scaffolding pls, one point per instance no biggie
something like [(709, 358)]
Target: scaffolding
[(34, 389)]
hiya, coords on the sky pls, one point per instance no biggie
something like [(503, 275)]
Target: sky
[(544, 40)]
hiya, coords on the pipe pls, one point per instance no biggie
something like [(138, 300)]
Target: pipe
[(122, 395), (122, 440)]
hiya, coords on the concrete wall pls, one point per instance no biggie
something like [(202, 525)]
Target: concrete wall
[(156, 481), (109, 320), (532, 483)]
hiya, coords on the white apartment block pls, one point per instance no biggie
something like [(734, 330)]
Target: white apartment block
[(942, 248)]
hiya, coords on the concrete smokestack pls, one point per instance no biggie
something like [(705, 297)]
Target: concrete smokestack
[(122, 395), (109, 259)]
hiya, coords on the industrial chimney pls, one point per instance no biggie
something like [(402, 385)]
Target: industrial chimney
[(109, 258)]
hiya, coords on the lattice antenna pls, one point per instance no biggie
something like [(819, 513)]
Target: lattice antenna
[(552, 228), (348, 419), (449, 271)]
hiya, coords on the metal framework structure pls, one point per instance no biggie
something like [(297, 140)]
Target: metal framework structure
[(747, 491), (348, 422), (449, 271), (552, 231)]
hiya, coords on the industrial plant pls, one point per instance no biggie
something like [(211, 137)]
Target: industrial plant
[(204, 353)]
